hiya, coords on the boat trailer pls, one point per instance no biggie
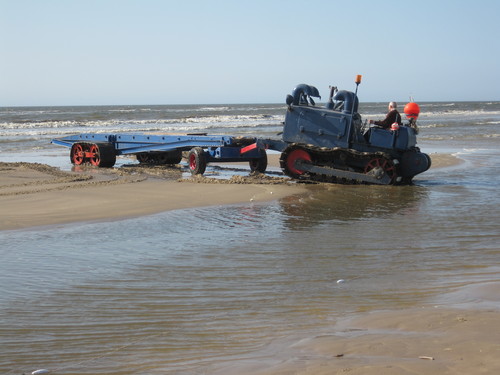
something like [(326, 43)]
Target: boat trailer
[(101, 150)]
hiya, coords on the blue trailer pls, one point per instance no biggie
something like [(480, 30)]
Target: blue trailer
[(101, 150)]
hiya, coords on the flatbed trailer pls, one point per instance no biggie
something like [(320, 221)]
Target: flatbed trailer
[(101, 150)]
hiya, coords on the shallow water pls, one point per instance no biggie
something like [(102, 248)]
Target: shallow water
[(192, 290)]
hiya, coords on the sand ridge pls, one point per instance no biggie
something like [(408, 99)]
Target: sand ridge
[(33, 194)]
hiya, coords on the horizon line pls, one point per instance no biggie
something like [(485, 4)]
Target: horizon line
[(230, 104)]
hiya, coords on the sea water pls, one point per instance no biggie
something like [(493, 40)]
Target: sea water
[(191, 291)]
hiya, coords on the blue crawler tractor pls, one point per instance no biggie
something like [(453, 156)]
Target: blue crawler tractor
[(332, 144)]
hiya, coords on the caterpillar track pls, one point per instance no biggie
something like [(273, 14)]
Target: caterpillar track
[(339, 165)]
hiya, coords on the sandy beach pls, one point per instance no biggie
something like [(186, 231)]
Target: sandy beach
[(440, 339), (428, 340), (38, 195)]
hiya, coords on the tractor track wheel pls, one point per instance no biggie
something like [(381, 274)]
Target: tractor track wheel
[(288, 159), (386, 165), (197, 161)]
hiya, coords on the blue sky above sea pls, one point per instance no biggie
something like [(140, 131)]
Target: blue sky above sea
[(192, 52)]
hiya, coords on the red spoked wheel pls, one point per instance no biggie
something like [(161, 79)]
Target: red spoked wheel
[(383, 164), (94, 155), (77, 154), (290, 157), (102, 155)]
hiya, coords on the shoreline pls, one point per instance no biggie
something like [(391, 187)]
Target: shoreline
[(34, 195)]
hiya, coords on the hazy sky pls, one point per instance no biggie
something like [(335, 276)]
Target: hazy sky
[(80, 52)]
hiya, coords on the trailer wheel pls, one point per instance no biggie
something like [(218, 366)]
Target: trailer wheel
[(102, 155), (197, 160), (143, 157), (77, 154), (94, 155), (169, 157), (175, 157), (260, 164)]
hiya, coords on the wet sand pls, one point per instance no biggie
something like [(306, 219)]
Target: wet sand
[(441, 339), (432, 340), (37, 195)]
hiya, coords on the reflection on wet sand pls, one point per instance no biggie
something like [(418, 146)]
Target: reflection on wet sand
[(342, 203)]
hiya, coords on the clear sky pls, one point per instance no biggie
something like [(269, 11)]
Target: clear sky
[(86, 52)]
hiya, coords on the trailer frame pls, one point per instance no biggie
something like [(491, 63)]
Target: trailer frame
[(101, 149)]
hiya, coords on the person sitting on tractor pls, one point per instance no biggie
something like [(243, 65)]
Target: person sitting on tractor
[(392, 117)]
